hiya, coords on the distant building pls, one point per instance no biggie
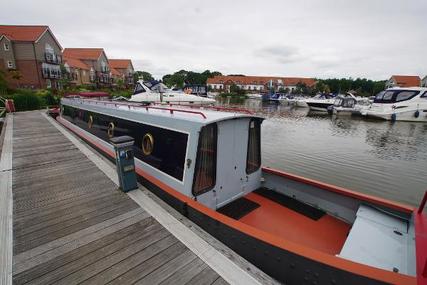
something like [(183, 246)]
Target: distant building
[(403, 81), (257, 83), (31, 56), (96, 60), (424, 81), (77, 71), (122, 69)]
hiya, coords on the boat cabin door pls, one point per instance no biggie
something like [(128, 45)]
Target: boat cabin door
[(234, 174)]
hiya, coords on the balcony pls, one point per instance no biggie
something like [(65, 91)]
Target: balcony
[(52, 58), (50, 73)]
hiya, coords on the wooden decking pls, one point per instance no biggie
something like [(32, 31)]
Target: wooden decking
[(71, 225)]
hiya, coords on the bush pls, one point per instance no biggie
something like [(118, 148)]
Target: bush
[(26, 100)]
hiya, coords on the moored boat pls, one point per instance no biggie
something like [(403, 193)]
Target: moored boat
[(146, 92), (207, 165), (400, 104), (320, 102)]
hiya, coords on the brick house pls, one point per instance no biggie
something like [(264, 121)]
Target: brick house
[(257, 83), (78, 72), (97, 62), (30, 56), (403, 81), (122, 69)]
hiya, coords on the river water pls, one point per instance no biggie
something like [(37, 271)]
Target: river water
[(385, 159)]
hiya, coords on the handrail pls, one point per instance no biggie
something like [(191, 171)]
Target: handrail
[(140, 106), (217, 108), (423, 203), (171, 110)]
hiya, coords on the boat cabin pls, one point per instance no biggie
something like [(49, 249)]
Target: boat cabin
[(212, 157)]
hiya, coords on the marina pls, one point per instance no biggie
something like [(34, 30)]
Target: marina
[(238, 205)]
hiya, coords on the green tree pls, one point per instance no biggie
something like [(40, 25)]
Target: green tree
[(144, 75), (3, 83)]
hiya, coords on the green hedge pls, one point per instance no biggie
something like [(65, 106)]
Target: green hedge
[(26, 100)]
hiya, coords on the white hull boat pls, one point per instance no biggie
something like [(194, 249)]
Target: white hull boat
[(400, 104), (143, 93)]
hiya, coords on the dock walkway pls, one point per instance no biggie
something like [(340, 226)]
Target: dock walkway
[(72, 226)]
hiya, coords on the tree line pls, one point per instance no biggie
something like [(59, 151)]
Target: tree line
[(362, 86)]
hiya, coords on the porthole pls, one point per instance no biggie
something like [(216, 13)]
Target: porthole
[(110, 130), (147, 144), (90, 122)]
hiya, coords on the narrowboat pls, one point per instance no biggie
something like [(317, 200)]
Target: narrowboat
[(207, 165)]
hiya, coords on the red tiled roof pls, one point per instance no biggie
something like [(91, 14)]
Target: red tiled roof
[(22, 33), (120, 63), (83, 53), (114, 71), (76, 63), (407, 80), (260, 80)]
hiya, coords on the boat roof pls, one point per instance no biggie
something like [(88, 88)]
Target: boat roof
[(202, 115)]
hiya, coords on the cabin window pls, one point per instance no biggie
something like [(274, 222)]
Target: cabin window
[(205, 171), (139, 89), (405, 95), (253, 161), (424, 95)]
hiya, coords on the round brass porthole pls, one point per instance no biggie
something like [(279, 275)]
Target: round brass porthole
[(147, 144), (110, 130), (90, 122)]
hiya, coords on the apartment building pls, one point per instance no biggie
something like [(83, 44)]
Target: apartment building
[(257, 83), (77, 71), (122, 69), (30, 56), (97, 62)]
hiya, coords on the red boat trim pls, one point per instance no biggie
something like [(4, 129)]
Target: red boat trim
[(421, 246), (347, 265), (343, 191)]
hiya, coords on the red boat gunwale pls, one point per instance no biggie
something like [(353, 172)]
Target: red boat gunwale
[(309, 253)]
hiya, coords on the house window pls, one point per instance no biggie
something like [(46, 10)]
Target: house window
[(205, 169), (48, 83), (253, 161), (6, 46), (9, 64)]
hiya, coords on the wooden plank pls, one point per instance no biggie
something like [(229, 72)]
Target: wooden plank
[(220, 281), (97, 261), (44, 266), (45, 237), (140, 270), (168, 268), (140, 264), (206, 276), (186, 273), (50, 250), (6, 205)]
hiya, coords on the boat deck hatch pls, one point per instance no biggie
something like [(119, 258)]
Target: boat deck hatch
[(380, 240), (238, 208), (291, 203)]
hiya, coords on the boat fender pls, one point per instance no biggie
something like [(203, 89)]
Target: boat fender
[(393, 117), (417, 114)]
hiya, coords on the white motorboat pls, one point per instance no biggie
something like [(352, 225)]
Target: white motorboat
[(349, 104), (146, 92), (254, 96), (400, 104), (320, 102)]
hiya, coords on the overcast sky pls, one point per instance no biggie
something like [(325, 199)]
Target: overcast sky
[(311, 38)]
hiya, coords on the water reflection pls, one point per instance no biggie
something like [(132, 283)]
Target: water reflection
[(375, 157)]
